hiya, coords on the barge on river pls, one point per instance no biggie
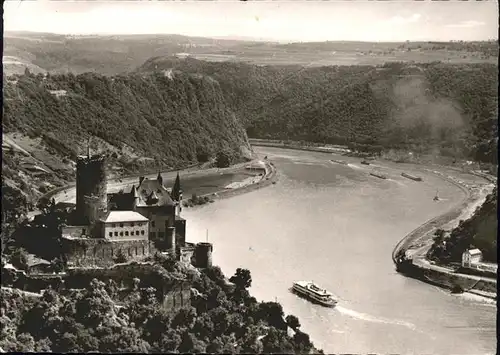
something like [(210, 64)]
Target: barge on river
[(412, 177), (315, 293), (338, 161), (380, 176)]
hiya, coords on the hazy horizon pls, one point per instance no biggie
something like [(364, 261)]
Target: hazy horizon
[(231, 38), (270, 21)]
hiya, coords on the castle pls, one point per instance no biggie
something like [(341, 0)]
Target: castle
[(133, 225)]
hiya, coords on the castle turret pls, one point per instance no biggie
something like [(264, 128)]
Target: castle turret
[(160, 178), (135, 195), (203, 255), (177, 194), (91, 188), (176, 190)]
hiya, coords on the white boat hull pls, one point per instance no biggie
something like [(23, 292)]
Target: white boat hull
[(304, 292)]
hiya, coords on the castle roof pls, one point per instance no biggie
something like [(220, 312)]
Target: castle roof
[(474, 251), (154, 192), (124, 216)]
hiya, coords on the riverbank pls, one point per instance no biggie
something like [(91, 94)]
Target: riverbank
[(416, 244), (269, 176)]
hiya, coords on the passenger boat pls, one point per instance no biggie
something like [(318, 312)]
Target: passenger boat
[(315, 293)]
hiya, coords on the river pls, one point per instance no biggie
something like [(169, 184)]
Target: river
[(337, 225)]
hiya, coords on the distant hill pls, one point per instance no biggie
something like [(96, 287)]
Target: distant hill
[(432, 107), (117, 54)]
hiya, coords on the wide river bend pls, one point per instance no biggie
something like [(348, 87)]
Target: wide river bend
[(337, 225)]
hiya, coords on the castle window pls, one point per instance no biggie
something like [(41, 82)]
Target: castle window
[(142, 232), (116, 234), (166, 223), (132, 232), (110, 234), (126, 233), (152, 223), (152, 235), (135, 250), (143, 253), (83, 231), (121, 225), (132, 224), (161, 234), (121, 234), (113, 225), (129, 251)]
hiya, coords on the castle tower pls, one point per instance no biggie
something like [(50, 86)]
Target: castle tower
[(203, 255), (91, 189), (160, 178)]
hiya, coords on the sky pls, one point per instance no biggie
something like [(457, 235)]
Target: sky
[(288, 21)]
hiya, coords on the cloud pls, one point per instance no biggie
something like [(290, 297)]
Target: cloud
[(400, 20), (466, 24)]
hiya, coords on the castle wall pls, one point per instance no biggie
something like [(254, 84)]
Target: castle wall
[(102, 252), (160, 219), (180, 231), (91, 181), (186, 255), (75, 231), (179, 297), (174, 294)]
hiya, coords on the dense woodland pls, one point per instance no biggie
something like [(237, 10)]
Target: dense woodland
[(222, 319), (169, 119), (443, 108), (479, 231)]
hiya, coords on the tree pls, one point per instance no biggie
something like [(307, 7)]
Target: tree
[(302, 342), (293, 322), (222, 159), (242, 278), (58, 265), (120, 258), (19, 259)]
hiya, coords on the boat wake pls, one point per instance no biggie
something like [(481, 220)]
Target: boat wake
[(400, 183), (356, 167), (369, 318)]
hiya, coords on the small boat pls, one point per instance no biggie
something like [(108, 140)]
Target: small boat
[(365, 162), (338, 161), (380, 176), (315, 293), (436, 198)]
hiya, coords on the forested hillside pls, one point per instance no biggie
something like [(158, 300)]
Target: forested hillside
[(143, 122), (479, 231), (433, 107)]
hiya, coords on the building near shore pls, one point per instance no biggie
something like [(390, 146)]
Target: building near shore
[(471, 257)]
